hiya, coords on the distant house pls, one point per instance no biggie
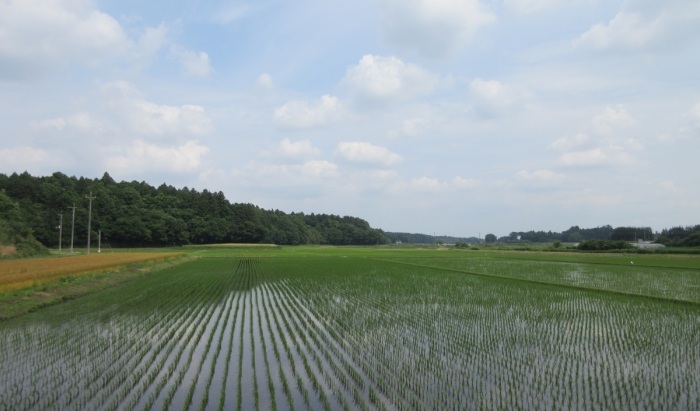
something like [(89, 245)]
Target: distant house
[(647, 245)]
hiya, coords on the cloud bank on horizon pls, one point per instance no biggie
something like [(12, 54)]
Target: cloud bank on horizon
[(454, 117)]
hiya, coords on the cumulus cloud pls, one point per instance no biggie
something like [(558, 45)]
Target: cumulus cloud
[(412, 127), (81, 121), (612, 118), (533, 6), (694, 115), (464, 183), (494, 97), (380, 78), (298, 114), (143, 156), (569, 142), (41, 36), (652, 25), (583, 158), (427, 184), (433, 28), (23, 158), (539, 177), (362, 152), (265, 82), (193, 63), (157, 120), (318, 168), (607, 145), (301, 148)]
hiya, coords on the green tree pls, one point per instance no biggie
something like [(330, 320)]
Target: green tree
[(490, 238)]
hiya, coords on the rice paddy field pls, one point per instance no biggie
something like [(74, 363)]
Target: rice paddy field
[(368, 328)]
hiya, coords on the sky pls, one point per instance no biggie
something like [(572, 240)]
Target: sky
[(446, 117)]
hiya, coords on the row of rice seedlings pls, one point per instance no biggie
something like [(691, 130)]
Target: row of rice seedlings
[(279, 376), (499, 356), (84, 353), (174, 393), (332, 368), (288, 360), (82, 337), (666, 282), (215, 359), (173, 319), (130, 386), (369, 371), (295, 354), (132, 391), (200, 387)]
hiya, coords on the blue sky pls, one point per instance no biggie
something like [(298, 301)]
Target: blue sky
[(453, 117)]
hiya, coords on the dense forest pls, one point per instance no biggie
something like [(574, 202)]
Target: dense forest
[(676, 236), (415, 238), (138, 214)]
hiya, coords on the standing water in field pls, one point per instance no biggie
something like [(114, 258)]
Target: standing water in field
[(325, 333)]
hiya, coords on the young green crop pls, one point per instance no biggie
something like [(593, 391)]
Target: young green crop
[(421, 329)]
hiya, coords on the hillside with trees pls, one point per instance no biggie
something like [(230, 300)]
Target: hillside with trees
[(138, 214)]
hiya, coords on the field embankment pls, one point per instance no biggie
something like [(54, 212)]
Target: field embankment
[(29, 284)]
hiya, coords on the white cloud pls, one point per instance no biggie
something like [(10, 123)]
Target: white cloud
[(265, 82), (153, 39), (427, 184), (569, 143), (142, 156), (694, 115), (150, 119), (533, 6), (319, 168), (463, 183), (40, 36), (194, 63), (494, 97), (362, 152), (299, 114), (539, 177), (22, 158), (81, 121), (411, 127), (612, 118), (583, 158), (297, 148), (434, 28), (597, 156), (378, 77), (627, 30), (231, 13)]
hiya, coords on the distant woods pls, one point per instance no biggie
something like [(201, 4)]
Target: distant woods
[(138, 214)]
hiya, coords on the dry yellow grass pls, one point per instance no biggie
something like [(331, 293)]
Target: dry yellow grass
[(16, 274)]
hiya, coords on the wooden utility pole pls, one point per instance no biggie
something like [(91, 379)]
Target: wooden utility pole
[(60, 230), (90, 197), (72, 229)]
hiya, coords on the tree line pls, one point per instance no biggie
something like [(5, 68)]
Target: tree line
[(138, 214)]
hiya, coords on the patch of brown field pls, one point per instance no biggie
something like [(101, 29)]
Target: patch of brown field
[(7, 250), (16, 274)]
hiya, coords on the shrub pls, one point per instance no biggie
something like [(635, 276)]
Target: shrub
[(602, 245)]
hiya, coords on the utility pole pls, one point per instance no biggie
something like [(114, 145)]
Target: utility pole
[(99, 241), (60, 230), (90, 197), (72, 229)]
